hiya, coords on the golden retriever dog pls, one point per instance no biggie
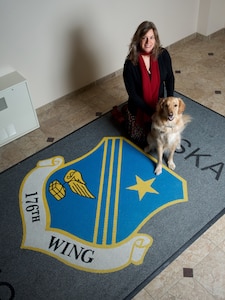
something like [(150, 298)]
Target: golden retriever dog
[(168, 122)]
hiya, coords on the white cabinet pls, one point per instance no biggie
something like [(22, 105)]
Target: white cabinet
[(17, 114)]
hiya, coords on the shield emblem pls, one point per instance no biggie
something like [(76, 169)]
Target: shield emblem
[(98, 204)]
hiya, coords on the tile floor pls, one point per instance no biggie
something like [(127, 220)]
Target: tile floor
[(199, 67)]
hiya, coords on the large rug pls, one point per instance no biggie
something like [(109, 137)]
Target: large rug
[(86, 218)]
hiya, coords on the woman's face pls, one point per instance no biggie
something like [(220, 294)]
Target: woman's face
[(148, 41)]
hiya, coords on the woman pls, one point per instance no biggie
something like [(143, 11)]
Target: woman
[(147, 73)]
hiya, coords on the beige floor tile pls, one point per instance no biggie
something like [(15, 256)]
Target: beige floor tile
[(187, 289), (216, 233), (196, 252), (115, 87), (143, 295), (10, 155), (165, 280), (222, 246), (210, 273)]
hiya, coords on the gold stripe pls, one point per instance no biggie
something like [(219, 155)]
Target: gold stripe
[(97, 219), (109, 187), (116, 204)]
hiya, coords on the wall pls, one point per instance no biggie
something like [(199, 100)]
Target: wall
[(211, 16), (61, 46)]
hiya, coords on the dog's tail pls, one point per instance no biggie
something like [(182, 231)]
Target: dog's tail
[(187, 119)]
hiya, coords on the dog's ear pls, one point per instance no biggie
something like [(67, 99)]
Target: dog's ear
[(160, 103), (181, 106)]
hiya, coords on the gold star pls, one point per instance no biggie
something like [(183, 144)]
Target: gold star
[(143, 187)]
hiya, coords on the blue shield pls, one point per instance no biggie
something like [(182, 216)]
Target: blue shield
[(108, 194)]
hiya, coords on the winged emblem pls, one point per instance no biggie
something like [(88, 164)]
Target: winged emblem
[(76, 183)]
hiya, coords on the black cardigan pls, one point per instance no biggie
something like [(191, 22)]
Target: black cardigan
[(133, 82)]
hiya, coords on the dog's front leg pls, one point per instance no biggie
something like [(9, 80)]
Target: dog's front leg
[(170, 162), (158, 169)]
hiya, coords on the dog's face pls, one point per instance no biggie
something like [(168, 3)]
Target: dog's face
[(170, 107)]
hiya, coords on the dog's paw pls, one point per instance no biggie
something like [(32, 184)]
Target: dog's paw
[(171, 165), (158, 170)]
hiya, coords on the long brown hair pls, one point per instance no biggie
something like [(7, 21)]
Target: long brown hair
[(134, 47)]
